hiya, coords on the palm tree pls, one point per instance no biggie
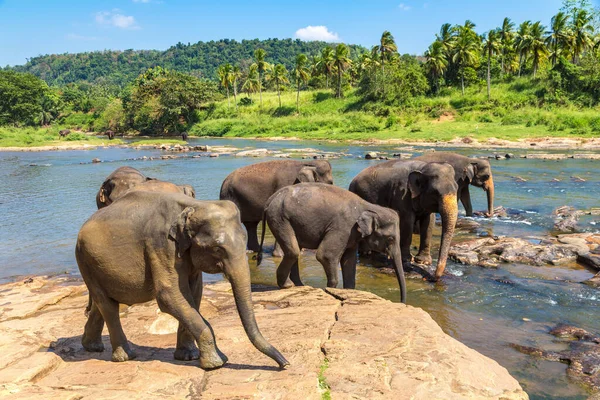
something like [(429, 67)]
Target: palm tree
[(387, 47), (522, 42), (506, 33), (537, 46), (327, 63), (436, 62), (582, 31), (558, 36), (252, 84), (491, 46), (465, 50), (341, 61), (301, 75), (233, 77), (278, 76), (447, 38), (224, 73), (261, 64)]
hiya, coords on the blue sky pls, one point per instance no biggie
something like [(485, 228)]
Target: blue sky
[(33, 27)]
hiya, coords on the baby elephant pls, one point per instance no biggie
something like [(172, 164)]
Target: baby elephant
[(333, 221)]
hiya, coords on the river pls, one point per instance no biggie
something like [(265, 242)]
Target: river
[(44, 205)]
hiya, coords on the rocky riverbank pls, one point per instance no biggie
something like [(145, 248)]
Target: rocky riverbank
[(341, 344)]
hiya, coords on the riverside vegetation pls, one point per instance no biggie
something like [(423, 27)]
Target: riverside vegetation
[(516, 81)]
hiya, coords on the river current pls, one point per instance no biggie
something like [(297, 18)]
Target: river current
[(45, 197)]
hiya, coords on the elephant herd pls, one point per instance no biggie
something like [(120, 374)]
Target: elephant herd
[(151, 239)]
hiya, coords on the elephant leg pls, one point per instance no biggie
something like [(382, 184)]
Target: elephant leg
[(178, 300), (251, 228), (348, 263), (187, 349), (277, 252), (407, 223), (92, 334), (291, 251), (295, 275), (329, 254), (110, 312), (426, 224), (465, 199)]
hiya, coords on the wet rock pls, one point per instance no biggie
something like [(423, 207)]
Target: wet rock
[(253, 153), (578, 179), (519, 179), (372, 155), (566, 218), (283, 155), (214, 155), (402, 156), (582, 357), (201, 148), (509, 156), (546, 156), (96, 160), (500, 212), (405, 355), (587, 156)]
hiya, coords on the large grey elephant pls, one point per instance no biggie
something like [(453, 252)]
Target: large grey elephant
[(251, 186), (333, 221), (467, 171), (124, 179), (416, 190), (150, 245)]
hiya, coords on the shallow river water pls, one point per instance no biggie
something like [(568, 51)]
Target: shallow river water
[(43, 206)]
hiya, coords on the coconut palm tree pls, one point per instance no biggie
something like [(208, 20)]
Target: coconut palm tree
[(537, 46), (506, 33), (465, 50), (436, 62), (447, 38), (558, 36), (252, 84), (233, 78), (582, 31), (261, 64), (491, 46), (277, 75), (224, 72), (523, 39), (301, 75), (341, 61), (327, 63), (387, 46)]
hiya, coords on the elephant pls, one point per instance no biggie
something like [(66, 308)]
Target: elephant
[(110, 134), (416, 190), (467, 170), (124, 179), (251, 186), (184, 136), (152, 245), (64, 133), (333, 221)]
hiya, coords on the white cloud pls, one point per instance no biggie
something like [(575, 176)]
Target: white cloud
[(116, 19), (404, 7), (317, 33)]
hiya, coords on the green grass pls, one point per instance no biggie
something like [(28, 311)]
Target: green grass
[(323, 385), (33, 137)]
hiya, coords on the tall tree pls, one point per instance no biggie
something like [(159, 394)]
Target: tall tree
[(522, 42), (465, 50), (436, 63), (224, 73), (327, 63), (341, 62), (233, 78), (261, 64), (506, 34), (582, 31), (252, 84), (558, 36), (301, 75), (277, 75), (537, 46), (491, 46), (387, 47)]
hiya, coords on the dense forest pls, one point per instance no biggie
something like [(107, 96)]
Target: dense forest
[(200, 59)]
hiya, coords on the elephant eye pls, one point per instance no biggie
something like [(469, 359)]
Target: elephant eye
[(485, 177), (390, 239)]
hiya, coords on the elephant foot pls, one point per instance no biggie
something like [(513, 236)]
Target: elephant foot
[(212, 360), (187, 354), (277, 253), (92, 346), (287, 284), (423, 259), (121, 354)]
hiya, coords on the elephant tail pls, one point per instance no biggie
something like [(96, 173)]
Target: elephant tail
[(88, 308), (262, 239)]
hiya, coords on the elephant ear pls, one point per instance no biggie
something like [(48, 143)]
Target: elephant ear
[(181, 232), (367, 223), (470, 171), (188, 190), (307, 174), (416, 183), (104, 194)]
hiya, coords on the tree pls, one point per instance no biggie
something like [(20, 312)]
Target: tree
[(224, 73), (387, 47), (465, 50), (233, 78), (301, 75), (277, 75), (522, 42), (447, 38), (252, 83), (327, 63), (436, 63), (537, 46), (582, 31), (261, 65), (491, 46), (25, 100), (506, 34), (558, 36), (341, 61)]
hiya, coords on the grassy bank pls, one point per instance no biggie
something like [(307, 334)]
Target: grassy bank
[(512, 114), (35, 137)]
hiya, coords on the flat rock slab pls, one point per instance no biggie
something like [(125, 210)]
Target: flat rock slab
[(349, 344)]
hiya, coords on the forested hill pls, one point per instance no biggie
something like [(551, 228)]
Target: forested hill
[(200, 59)]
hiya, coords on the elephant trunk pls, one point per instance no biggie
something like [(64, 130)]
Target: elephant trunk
[(449, 214), (239, 278), (397, 261), (488, 186)]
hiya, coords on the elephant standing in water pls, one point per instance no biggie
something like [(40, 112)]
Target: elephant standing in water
[(251, 186), (150, 245), (125, 179), (467, 171), (416, 190), (333, 221)]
